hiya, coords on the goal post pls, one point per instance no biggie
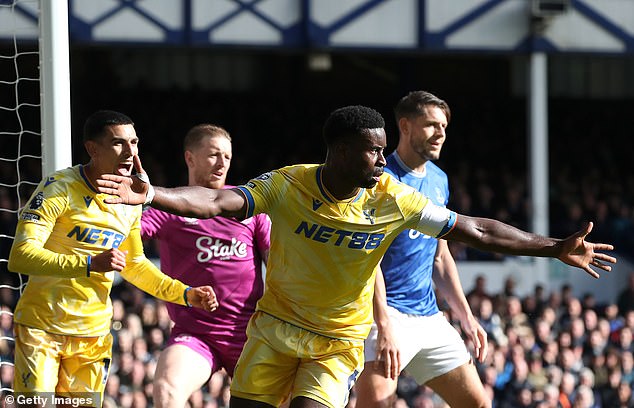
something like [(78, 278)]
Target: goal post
[(55, 86), (35, 126)]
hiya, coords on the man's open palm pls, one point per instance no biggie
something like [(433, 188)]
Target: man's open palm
[(126, 190), (581, 254)]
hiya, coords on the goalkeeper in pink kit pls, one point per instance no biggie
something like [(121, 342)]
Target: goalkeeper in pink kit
[(224, 253)]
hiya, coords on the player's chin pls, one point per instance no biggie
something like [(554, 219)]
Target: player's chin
[(370, 183)]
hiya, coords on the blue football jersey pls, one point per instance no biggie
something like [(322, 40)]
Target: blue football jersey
[(408, 263)]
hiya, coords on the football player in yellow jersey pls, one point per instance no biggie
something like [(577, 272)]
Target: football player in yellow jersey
[(70, 244), (331, 225)]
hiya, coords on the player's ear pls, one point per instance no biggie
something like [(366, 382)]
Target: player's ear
[(91, 148), (189, 158), (404, 125), (341, 151)]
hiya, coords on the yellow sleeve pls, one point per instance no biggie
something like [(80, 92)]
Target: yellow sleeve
[(28, 255), (143, 274), (410, 201)]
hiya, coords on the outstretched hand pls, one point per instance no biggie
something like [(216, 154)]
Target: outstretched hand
[(127, 190), (576, 251), (203, 297)]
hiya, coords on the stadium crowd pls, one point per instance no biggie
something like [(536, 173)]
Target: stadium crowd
[(546, 349)]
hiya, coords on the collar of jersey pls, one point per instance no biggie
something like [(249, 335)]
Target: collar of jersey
[(407, 169), (326, 194), (82, 172)]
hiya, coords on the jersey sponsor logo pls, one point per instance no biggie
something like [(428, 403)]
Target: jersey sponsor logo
[(105, 238), (210, 249), (37, 201), (354, 239), (49, 180), (413, 234), (87, 201), (27, 216), (316, 204)]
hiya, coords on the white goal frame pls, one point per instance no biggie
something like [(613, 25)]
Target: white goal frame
[(55, 86)]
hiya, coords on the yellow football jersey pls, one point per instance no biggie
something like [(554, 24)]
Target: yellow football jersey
[(320, 273), (63, 225)]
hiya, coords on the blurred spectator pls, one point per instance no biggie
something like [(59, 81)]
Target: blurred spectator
[(490, 321), (624, 396), (567, 389), (584, 398), (478, 292), (625, 301)]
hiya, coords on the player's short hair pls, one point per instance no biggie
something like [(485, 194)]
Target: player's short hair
[(97, 122), (413, 104), (196, 134), (350, 120)]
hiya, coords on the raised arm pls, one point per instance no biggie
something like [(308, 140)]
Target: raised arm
[(191, 201), (495, 236)]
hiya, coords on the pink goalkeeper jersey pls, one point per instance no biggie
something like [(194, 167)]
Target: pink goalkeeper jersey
[(222, 252)]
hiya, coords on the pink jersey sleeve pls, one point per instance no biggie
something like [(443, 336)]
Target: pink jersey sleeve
[(151, 222), (262, 234)]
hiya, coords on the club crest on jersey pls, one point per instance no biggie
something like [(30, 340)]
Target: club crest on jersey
[(369, 215), (316, 204), (87, 201), (37, 201), (26, 379)]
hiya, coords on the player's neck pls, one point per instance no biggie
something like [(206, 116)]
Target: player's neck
[(411, 159), (90, 172), (337, 185), (215, 186)]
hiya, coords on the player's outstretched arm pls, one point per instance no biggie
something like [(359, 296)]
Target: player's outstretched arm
[(495, 236), (191, 201)]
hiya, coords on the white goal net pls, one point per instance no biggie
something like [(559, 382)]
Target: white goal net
[(20, 150)]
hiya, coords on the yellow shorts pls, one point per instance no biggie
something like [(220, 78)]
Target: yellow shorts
[(279, 359), (64, 365)]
